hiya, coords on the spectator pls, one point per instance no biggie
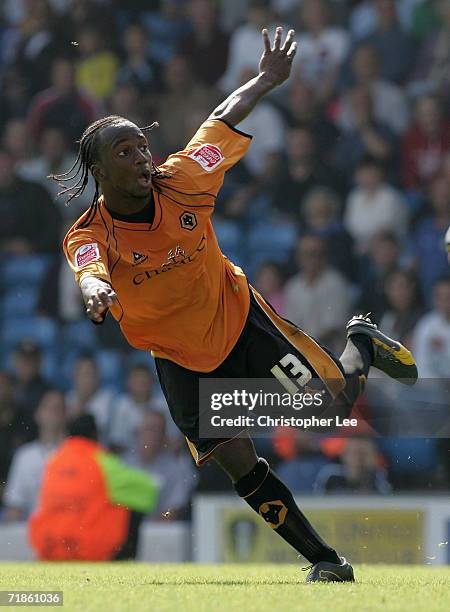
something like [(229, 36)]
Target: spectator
[(269, 282), (433, 66), (403, 305), (265, 124), (30, 385), (131, 407), (181, 98), (62, 105), (425, 19), (59, 296), (305, 111), (245, 43), (395, 46), (12, 427), (37, 44), (14, 96), (97, 65), (365, 15), (373, 206), (429, 238), (28, 464), (432, 335), (138, 68), (206, 46), (174, 473), (127, 101), (83, 13), (87, 396), (359, 471), (90, 504), (322, 216), (25, 206), (317, 297), (425, 144), (382, 259), (390, 106), (367, 138), (17, 141), (302, 170), (166, 25), (323, 47), (446, 167), (55, 157)]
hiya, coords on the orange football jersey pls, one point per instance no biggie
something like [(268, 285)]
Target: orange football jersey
[(178, 295)]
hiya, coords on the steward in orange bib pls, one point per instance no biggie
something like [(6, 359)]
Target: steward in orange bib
[(90, 503)]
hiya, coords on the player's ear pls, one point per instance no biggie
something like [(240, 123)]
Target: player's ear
[(98, 173)]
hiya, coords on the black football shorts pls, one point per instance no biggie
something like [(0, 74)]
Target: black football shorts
[(265, 340)]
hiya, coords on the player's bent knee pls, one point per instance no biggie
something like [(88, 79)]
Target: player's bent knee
[(237, 457)]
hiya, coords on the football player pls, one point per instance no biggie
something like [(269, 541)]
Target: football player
[(146, 251)]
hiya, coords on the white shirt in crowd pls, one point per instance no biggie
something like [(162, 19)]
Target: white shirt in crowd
[(38, 169), (369, 213), (319, 54), (390, 107), (266, 125), (245, 51), (431, 346), (321, 307), (25, 476), (128, 416)]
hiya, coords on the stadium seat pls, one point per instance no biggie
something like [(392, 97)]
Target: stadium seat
[(230, 238), (135, 356), (300, 474), (19, 301), (111, 366), (270, 242), (410, 455), (51, 368), (23, 271), (42, 330), (79, 336)]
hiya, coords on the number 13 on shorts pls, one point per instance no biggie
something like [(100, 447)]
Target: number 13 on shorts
[(296, 368)]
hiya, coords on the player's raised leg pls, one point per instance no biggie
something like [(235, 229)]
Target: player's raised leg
[(388, 355), (368, 347)]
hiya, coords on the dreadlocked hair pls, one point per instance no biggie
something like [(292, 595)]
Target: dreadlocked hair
[(75, 180)]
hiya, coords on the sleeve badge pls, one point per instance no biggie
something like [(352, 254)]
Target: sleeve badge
[(208, 156)]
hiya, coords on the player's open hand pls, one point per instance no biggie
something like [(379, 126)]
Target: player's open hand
[(98, 297), (276, 61)]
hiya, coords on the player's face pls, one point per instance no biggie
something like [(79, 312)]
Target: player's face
[(125, 161)]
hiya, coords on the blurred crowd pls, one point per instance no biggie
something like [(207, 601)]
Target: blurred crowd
[(340, 206)]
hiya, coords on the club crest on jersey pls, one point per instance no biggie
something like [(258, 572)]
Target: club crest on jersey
[(208, 156), (188, 220), (138, 258), (86, 254)]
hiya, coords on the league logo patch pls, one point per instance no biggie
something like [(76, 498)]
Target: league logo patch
[(208, 156), (86, 254)]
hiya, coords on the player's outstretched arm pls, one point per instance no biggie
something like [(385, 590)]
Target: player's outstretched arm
[(274, 69), (98, 296)]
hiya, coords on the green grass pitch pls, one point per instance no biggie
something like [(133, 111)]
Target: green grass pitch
[(137, 587)]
